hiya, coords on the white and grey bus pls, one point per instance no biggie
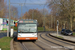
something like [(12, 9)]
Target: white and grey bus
[(27, 30)]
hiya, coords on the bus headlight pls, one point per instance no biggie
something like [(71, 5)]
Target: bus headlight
[(35, 34), (35, 27), (19, 35)]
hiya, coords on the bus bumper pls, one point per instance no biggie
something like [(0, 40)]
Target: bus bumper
[(27, 38)]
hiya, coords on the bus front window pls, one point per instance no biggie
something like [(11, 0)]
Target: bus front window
[(23, 27)]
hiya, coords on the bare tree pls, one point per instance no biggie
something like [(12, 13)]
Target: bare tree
[(3, 9), (14, 13)]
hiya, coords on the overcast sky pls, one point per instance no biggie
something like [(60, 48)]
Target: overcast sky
[(26, 7)]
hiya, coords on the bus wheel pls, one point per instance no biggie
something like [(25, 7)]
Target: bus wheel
[(34, 40), (15, 39)]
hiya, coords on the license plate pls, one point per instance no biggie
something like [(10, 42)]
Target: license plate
[(27, 38)]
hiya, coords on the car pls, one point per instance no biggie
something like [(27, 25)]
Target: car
[(73, 30), (66, 32), (62, 31)]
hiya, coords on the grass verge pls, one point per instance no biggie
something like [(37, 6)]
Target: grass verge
[(73, 33), (40, 29), (5, 43), (59, 37)]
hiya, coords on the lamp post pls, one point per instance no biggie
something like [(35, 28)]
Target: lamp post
[(44, 17), (54, 23), (8, 31), (21, 8)]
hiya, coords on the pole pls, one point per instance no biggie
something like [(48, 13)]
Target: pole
[(54, 23), (51, 21), (8, 33), (57, 30), (21, 9), (49, 24), (44, 22), (57, 26), (44, 17)]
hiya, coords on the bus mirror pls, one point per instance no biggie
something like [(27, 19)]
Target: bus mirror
[(15, 24), (37, 24)]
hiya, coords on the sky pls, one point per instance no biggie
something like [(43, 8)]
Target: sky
[(27, 5)]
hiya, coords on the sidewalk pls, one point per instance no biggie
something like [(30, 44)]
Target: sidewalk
[(64, 36)]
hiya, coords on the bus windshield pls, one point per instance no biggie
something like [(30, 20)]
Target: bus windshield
[(24, 27)]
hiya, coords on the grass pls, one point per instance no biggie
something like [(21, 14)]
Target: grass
[(4, 28), (73, 33), (40, 28), (15, 28), (59, 37), (5, 43)]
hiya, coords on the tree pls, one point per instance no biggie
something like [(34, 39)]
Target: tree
[(36, 15), (3, 9), (64, 9), (44, 11), (14, 13)]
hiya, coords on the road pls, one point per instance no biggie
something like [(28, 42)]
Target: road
[(3, 35), (44, 42)]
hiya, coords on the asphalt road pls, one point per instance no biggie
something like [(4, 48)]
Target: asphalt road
[(3, 35)]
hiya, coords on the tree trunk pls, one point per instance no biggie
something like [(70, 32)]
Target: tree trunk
[(71, 22)]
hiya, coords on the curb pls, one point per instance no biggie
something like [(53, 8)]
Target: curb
[(11, 45), (62, 39), (73, 36)]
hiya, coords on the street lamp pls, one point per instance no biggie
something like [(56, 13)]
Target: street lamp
[(44, 17), (8, 31), (21, 4)]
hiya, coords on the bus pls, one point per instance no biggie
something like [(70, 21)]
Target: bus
[(27, 30)]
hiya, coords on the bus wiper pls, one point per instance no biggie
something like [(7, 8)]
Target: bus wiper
[(21, 32)]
